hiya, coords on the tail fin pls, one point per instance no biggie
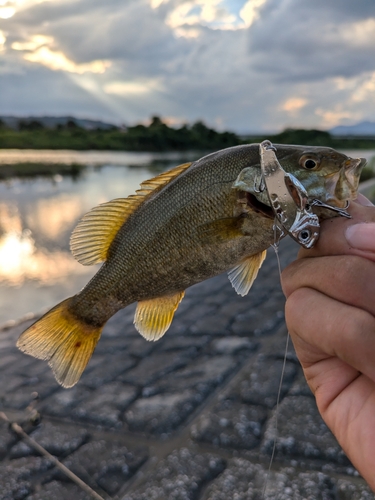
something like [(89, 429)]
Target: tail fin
[(63, 340)]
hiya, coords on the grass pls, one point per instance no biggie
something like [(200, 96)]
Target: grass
[(29, 170)]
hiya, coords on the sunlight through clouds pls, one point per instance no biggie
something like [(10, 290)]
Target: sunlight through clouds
[(250, 11), (8, 8), (37, 50), (2, 41), (89, 84), (214, 14), (258, 64), (34, 43), (129, 88), (7, 12), (59, 61), (156, 3)]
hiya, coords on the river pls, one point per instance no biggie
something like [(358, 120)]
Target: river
[(38, 214)]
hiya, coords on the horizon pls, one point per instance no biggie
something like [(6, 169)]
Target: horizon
[(238, 65), (176, 126)]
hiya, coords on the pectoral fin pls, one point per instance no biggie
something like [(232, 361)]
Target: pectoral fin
[(153, 317), (243, 275), (220, 230)]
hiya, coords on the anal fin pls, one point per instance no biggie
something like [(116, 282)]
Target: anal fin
[(243, 275), (153, 317)]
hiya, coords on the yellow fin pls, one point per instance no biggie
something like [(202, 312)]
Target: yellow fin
[(220, 230), (96, 230), (63, 341), (153, 317), (243, 275)]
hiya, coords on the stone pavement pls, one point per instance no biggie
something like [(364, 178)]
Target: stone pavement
[(191, 417)]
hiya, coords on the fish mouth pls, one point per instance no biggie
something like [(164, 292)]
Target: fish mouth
[(353, 168), (342, 186), (258, 206)]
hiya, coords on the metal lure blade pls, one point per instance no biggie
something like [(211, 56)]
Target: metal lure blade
[(288, 199)]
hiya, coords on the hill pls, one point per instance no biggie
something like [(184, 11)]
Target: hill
[(364, 129), (14, 122)]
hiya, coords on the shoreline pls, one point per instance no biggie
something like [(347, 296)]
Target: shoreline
[(29, 163)]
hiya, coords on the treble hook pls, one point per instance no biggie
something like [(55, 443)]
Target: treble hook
[(340, 211)]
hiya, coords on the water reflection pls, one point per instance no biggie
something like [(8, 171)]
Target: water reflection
[(37, 216), (20, 260)]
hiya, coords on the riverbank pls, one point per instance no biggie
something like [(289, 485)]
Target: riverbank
[(28, 163)]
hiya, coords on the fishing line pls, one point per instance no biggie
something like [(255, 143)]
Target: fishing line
[(275, 246)]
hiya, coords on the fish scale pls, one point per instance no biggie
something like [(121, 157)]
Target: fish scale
[(180, 228)]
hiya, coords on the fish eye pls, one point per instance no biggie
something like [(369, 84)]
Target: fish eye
[(310, 164)]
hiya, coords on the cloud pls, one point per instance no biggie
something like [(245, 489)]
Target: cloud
[(2, 41), (293, 104), (34, 43), (245, 64), (49, 93), (58, 61), (7, 12), (184, 17), (37, 49), (297, 40)]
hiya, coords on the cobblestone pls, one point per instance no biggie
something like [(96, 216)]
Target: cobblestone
[(191, 417), (55, 490), (106, 405), (300, 431), (17, 476), (241, 481), (55, 440), (104, 464), (231, 425), (161, 413), (179, 476), (261, 386)]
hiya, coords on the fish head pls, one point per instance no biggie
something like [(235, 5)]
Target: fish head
[(326, 174)]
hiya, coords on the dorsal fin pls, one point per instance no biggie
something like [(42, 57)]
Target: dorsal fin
[(96, 230)]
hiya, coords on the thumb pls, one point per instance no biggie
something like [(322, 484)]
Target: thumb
[(361, 237)]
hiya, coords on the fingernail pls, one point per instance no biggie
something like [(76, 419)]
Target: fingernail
[(362, 200), (361, 236)]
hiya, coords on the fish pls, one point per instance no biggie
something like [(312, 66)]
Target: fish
[(184, 226)]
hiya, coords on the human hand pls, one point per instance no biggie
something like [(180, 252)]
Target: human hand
[(330, 314)]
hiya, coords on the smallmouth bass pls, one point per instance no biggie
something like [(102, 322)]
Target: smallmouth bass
[(182, 227)]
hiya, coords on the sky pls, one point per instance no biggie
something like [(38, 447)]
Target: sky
[(241, 65)]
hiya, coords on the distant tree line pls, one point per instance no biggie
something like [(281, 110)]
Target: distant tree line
[(157, 136)]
